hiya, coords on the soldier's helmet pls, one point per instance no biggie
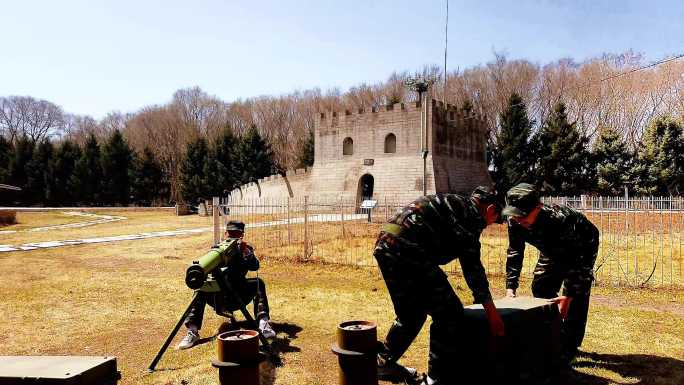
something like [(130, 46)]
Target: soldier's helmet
[(520, 200), (488, 195), (235, 226)]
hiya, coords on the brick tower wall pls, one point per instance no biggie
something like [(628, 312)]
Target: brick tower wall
[(458, 149), (456, 160), (398, 174)]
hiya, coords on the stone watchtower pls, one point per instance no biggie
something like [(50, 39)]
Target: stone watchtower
[(378, 152)]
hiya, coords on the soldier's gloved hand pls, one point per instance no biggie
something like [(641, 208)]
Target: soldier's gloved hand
[(510, 293), (563, 303), (496, 325)]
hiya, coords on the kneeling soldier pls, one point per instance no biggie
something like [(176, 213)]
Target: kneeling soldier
[(568, 243), (429, 232)]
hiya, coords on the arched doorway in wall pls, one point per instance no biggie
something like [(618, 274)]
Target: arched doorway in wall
[(365, 189)]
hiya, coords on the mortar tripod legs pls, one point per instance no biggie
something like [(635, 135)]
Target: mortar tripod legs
[(173, 333)]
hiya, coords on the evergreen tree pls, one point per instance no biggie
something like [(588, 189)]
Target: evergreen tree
[(6, 151), (512, 156), (6, 154), (227, 166), (669, 164), (194, 184), (148, 179), (18, 175), (613, 161), (659, 165), (213, 179), (40, 170), (563, 163), (256, 157), (87, 177), (307, 157), (65, 160), (116, 163)]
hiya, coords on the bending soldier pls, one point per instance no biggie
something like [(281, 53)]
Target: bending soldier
[(429, 232), (568, 243), (249, 290)]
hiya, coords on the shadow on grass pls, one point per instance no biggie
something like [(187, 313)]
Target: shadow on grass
[(642, 369), (281, 345)]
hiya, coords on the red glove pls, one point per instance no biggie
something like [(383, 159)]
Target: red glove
[(496, 325), (563, 303)]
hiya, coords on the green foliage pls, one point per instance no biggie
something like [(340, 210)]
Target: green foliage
[(116, 162), (86, 181), (659, 168), (194, 182), (226, 168), (147, 179), (512, 156), (307, 154), (256, 157), (6, 150), (65, 161), (564, 165), (614, 162), (21, 156), (40, 172)]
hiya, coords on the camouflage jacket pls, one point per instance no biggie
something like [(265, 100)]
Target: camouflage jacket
[(238, 267), (444, 227), (562, 235)]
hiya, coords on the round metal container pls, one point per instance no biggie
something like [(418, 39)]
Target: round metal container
[(355, 348), (238, 357)]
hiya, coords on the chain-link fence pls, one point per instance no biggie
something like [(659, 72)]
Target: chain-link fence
[(641, 238)]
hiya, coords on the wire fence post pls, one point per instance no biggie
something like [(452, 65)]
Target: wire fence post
[(289, 230), (216, 219), (342, 216), (306, 227)]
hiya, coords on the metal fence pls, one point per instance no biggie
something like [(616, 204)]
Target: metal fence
[(641, 238)]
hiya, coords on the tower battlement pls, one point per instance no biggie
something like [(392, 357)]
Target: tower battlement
[(449, 112)]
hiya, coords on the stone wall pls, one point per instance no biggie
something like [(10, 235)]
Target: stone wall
[(459, 143), (294, 183)]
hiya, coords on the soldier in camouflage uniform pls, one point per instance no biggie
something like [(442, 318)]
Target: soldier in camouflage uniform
[(248, 289), (429, 232), (568, 243)]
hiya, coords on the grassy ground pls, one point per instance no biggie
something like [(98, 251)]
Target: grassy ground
[(122, 299), (136, 222), (29, 220)]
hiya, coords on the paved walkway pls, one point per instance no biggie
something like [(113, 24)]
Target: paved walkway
[(172, 233)]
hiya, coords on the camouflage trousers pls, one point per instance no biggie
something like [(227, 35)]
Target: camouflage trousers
[(250, 290), (418, 289), (550, 274)]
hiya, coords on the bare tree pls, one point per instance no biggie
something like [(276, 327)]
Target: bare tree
[(205, 114), (78, 127), (29, 117)]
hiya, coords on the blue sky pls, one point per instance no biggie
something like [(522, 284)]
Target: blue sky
[(92, 57)]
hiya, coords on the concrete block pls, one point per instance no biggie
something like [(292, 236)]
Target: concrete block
[(57, 370)]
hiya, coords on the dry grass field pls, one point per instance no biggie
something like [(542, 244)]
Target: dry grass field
[(122, 298), (136, 222)]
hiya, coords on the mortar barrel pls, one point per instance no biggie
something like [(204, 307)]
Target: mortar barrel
[(355, 348)]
